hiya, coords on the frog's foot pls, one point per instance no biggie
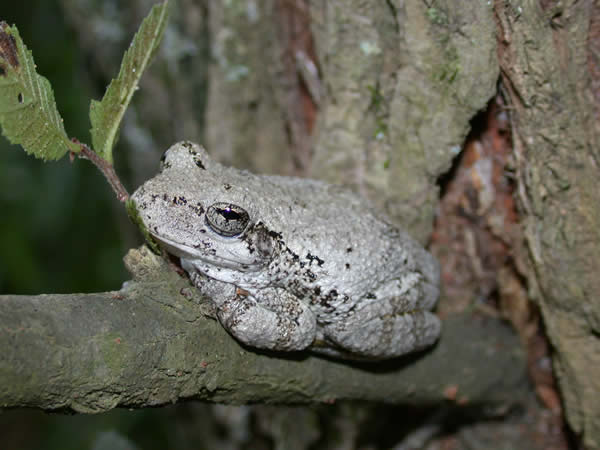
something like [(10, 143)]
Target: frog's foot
[(273, 323), (372, 332)]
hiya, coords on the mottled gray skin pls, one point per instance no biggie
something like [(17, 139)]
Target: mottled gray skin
[(291, 263)]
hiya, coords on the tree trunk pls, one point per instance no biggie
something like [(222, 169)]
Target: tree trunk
[(550, 59), (379, 94)]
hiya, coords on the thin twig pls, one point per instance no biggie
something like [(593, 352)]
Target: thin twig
[(107, 170)]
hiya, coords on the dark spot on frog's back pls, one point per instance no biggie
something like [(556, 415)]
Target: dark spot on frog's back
[(275, 234), (226, 186), (312, 258), (325, 302), (198, 209), (179, 201), (199, 163), (195, 155), (189, 146)]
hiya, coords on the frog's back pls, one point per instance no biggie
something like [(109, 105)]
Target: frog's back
[(336, 234), (310, 206)]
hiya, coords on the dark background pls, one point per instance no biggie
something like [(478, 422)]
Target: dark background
[(63, 231)]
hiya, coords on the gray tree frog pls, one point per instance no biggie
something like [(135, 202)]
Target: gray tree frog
[(292, 263)]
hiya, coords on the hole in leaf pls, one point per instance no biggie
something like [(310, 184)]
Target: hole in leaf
[(20, 97)]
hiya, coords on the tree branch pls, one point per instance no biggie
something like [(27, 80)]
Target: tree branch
[(151, 344)]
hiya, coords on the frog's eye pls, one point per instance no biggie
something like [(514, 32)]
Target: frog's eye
[(227, 219)]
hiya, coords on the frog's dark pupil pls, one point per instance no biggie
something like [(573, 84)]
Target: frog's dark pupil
[(229, 214)]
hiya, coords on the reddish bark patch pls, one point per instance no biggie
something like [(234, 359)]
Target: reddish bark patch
[(478, 241), (294, 33), (477, 238), (294, 17)]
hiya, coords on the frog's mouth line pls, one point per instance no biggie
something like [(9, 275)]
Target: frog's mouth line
[(236, 262)]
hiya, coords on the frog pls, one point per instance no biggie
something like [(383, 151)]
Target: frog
[(292, 264)]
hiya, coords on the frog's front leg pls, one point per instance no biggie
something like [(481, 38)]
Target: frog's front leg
[(276, 320)]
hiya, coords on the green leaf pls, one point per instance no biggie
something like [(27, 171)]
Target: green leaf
[(107, 114), (28, 113)]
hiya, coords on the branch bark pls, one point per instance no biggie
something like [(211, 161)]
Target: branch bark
[(151, 344)]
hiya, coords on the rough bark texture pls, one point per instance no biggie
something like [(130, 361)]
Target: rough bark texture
[(151, 344), (245, 125), (384, 109), (549, 59), (402, 80)]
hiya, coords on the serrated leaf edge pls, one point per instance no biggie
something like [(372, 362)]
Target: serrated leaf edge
[(105, 149)]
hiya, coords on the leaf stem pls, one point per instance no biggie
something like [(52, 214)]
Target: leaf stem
[(106, 168)]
